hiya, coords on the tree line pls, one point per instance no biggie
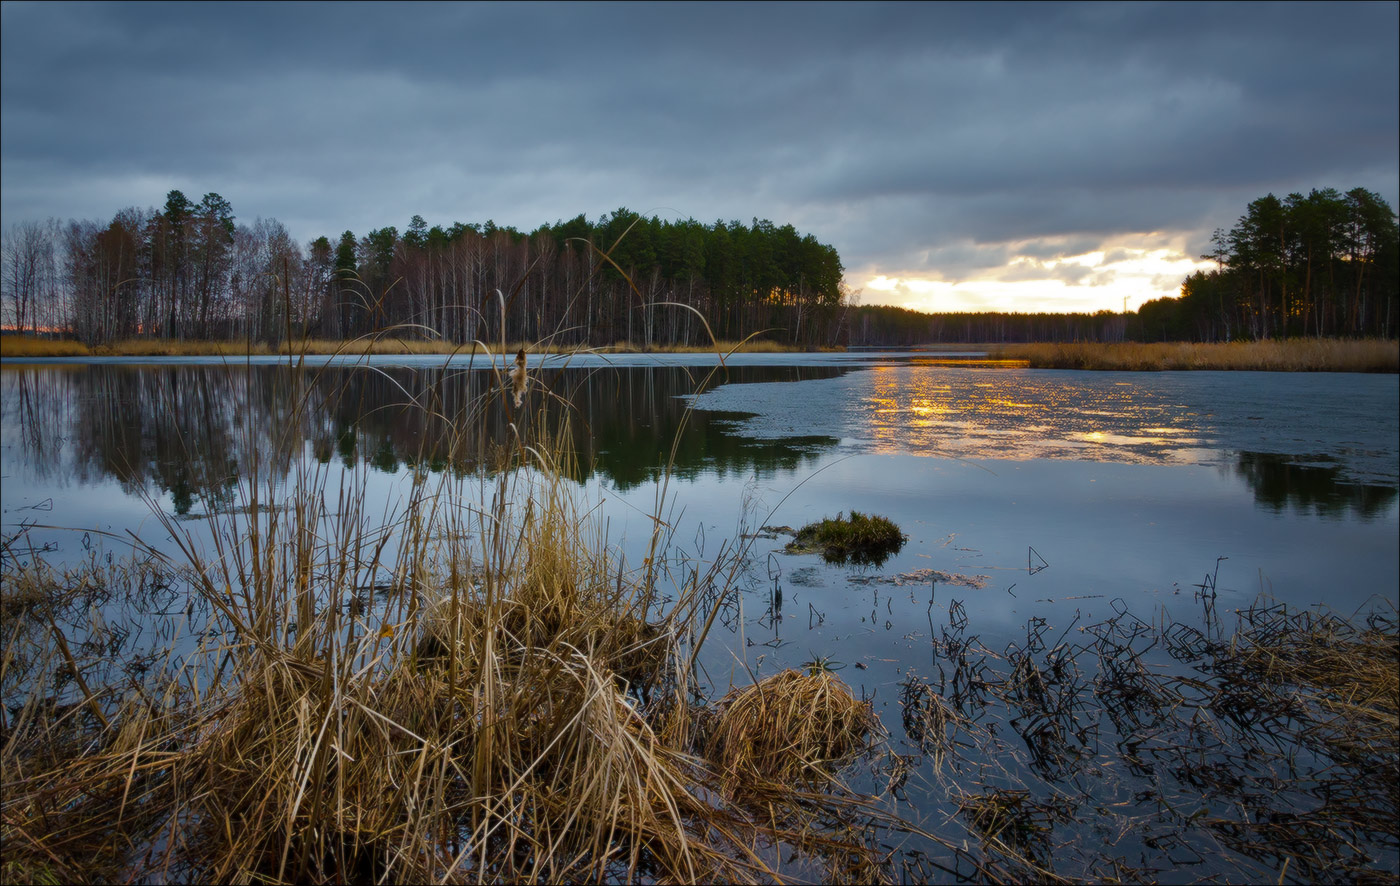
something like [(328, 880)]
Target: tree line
[(189, 271), (1325, 264), (887, 326)]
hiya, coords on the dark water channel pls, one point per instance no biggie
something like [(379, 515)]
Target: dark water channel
[(1040, 507)]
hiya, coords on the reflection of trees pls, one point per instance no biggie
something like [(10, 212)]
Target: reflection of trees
[(1279, 482), (193, 431), (179, 428), (622, 422), (36, 413)]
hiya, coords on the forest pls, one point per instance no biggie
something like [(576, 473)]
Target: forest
[(1327, 264), (188, 271), (1322, 265)]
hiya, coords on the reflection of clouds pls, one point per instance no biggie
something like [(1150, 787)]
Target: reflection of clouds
[(1153, 418), (1005, 415)]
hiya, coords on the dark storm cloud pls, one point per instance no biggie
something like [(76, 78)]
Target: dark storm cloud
[(942, 139)]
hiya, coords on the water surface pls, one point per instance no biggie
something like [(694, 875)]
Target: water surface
[(1035, 501)]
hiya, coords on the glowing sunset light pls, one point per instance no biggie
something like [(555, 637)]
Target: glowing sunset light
[(1096, 280)]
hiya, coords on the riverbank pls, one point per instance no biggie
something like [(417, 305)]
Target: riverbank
[(15, 346), (1292, 355), (481, 689)]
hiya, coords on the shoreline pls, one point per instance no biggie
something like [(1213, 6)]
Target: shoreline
[(1292, 355), (20, 346)]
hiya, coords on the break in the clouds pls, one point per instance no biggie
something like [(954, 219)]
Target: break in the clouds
[(1021, 157)]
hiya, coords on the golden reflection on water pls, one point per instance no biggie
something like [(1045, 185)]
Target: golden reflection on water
[(996, 415)]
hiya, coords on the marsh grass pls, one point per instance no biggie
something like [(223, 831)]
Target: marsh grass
[(32, 346), (859, 539), (482, 717), (465, 683), (1292, 355), (789, 728), (1276, 747), (21, 346)]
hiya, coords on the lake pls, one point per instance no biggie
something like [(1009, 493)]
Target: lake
[(1043, 510)]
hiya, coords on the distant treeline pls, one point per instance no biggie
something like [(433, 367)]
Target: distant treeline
[(188, 271), (1320, 265), (885, 326), (1327, 264)]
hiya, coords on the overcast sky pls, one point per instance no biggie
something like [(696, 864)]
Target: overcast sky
[(1022, 157)]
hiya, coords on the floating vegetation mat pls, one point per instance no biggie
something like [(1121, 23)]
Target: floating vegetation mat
[(1145, 752), (917, 577), (863, 540)]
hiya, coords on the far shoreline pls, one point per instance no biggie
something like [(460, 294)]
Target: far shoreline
[(1292, 355)]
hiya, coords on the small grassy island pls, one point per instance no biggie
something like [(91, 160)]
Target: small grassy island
[(861, 540)]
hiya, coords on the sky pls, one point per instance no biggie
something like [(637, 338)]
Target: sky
[(1038, 157)]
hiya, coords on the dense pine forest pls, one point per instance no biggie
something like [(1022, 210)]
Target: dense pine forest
[(188, 271), (1325, 264)]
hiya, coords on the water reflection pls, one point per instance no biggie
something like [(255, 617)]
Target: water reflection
[(194, 431), (1134, 418), (1305, 486)]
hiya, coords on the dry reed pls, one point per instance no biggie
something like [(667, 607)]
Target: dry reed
[(1292, 355), (15, 347), (472, 686), (789, 727)]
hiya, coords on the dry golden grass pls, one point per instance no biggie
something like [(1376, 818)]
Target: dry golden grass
[(749, 346), (1293, 355), (1351, 674), (790, 727), (20, 346), (478, 690), (30, 346)]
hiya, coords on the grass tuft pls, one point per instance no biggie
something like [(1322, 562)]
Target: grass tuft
[(859, 539), (787, 728)]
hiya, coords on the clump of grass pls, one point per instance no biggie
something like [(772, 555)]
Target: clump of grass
[(787, 728), (859, 539), (1291, 355)]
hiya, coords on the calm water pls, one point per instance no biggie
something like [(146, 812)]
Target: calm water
[(1128, 485), (1033, 500)]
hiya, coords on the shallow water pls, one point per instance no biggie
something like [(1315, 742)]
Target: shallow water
[(1033, 500), (1128, 485)]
